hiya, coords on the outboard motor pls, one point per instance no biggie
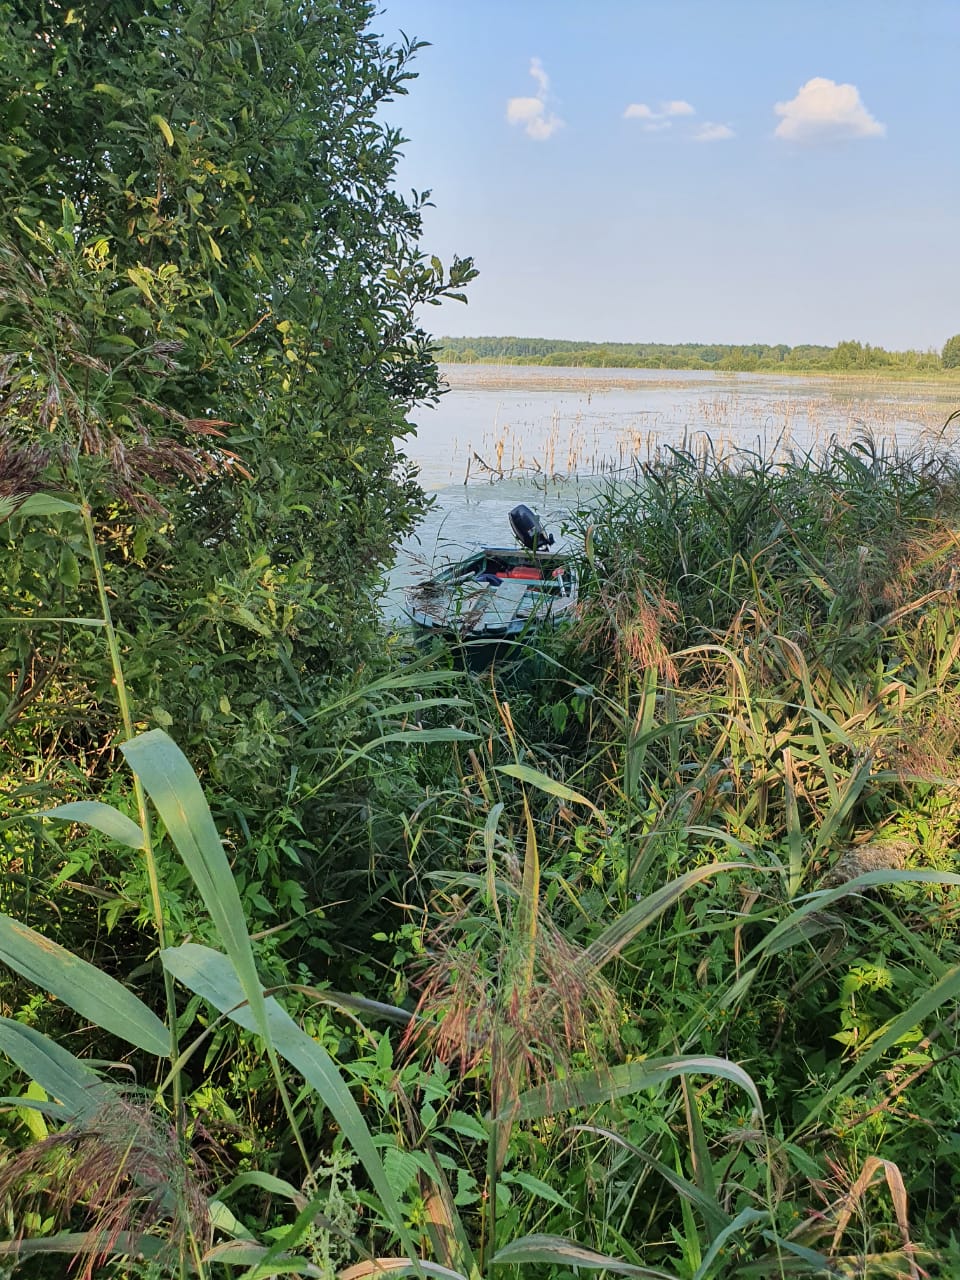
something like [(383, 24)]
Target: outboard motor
[(528, 529)]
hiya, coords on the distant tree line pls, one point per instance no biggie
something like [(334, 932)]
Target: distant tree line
[(850, 357)]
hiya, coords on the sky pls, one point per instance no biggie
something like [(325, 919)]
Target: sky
[(727, 171)]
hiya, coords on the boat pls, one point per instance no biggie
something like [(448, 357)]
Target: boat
[(498, 593)]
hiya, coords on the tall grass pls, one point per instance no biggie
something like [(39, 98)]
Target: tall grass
[(666, 983)]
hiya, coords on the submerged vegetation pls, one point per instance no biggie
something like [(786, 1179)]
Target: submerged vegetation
[(636, 952)]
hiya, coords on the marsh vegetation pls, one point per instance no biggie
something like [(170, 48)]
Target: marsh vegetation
[(636, 952)]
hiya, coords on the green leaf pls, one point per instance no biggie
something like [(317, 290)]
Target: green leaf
[(211, 975), (175, 791), (536, 1187), (714, 1216), (547, 784), (551, 1250), (93, 994), (122, 1244), (164, 128), (946, 988), (589, 1088), (623, 930), (260, 1261), (745, 1218), (788, 931), (58, 1073), (102, 817), (265, 1182), (45, 504)]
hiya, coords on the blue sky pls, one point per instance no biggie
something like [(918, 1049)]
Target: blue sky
[(690, 170)]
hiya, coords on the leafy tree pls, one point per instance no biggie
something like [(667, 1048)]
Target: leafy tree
[(208, 299), (950, 356)]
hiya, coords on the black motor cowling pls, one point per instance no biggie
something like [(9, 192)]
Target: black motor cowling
[(528, 529)]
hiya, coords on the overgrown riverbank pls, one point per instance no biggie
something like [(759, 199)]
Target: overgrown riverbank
[(643, 946)]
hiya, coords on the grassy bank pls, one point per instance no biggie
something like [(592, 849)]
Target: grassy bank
[(647, 962)]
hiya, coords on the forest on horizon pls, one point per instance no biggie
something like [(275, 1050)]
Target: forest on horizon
[(847, 356)]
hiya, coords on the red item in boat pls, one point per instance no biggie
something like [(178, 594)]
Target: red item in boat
[(522, 571)]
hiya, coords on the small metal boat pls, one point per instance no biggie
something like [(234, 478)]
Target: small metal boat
[(498, 593)]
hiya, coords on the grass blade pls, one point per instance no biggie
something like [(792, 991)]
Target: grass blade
[(103, 817), (946, 988), (176, 793), (551, 1250), (588, 1088), (211, 974), (257, 1257), (745, 1218), (58, 1073), (547, 784), (623, 930), (715, 1218), (88, 990)]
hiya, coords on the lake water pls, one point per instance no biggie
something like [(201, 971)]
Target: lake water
[(503, 435)]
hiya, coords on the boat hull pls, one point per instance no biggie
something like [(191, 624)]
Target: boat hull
[(497, 593)]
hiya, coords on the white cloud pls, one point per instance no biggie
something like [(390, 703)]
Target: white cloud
[(710, 132), (824, 111), (537, 120), (541, 77), (652, 120)]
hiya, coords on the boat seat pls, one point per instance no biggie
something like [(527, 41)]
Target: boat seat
[(505, 601)]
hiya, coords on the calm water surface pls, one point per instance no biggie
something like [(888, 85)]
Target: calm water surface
[(543, 436)]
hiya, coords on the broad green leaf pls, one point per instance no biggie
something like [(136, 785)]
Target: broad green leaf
[(356, 1004), (45, 504), (401, 1168), (44, 619), (816, 1263), (417, 679), (553, 1250), (102, 817), (811, 902), (622, 931), (23, 1102), (847, 797), (175, 790), (589, 1088), (58, 1073), (225, 1222), (35, 1107), (543, 782), (265, 1182), (211, 975), (411, 736), (93, 994)]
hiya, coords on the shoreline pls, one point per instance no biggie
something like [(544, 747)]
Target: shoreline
[(492, 375)]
